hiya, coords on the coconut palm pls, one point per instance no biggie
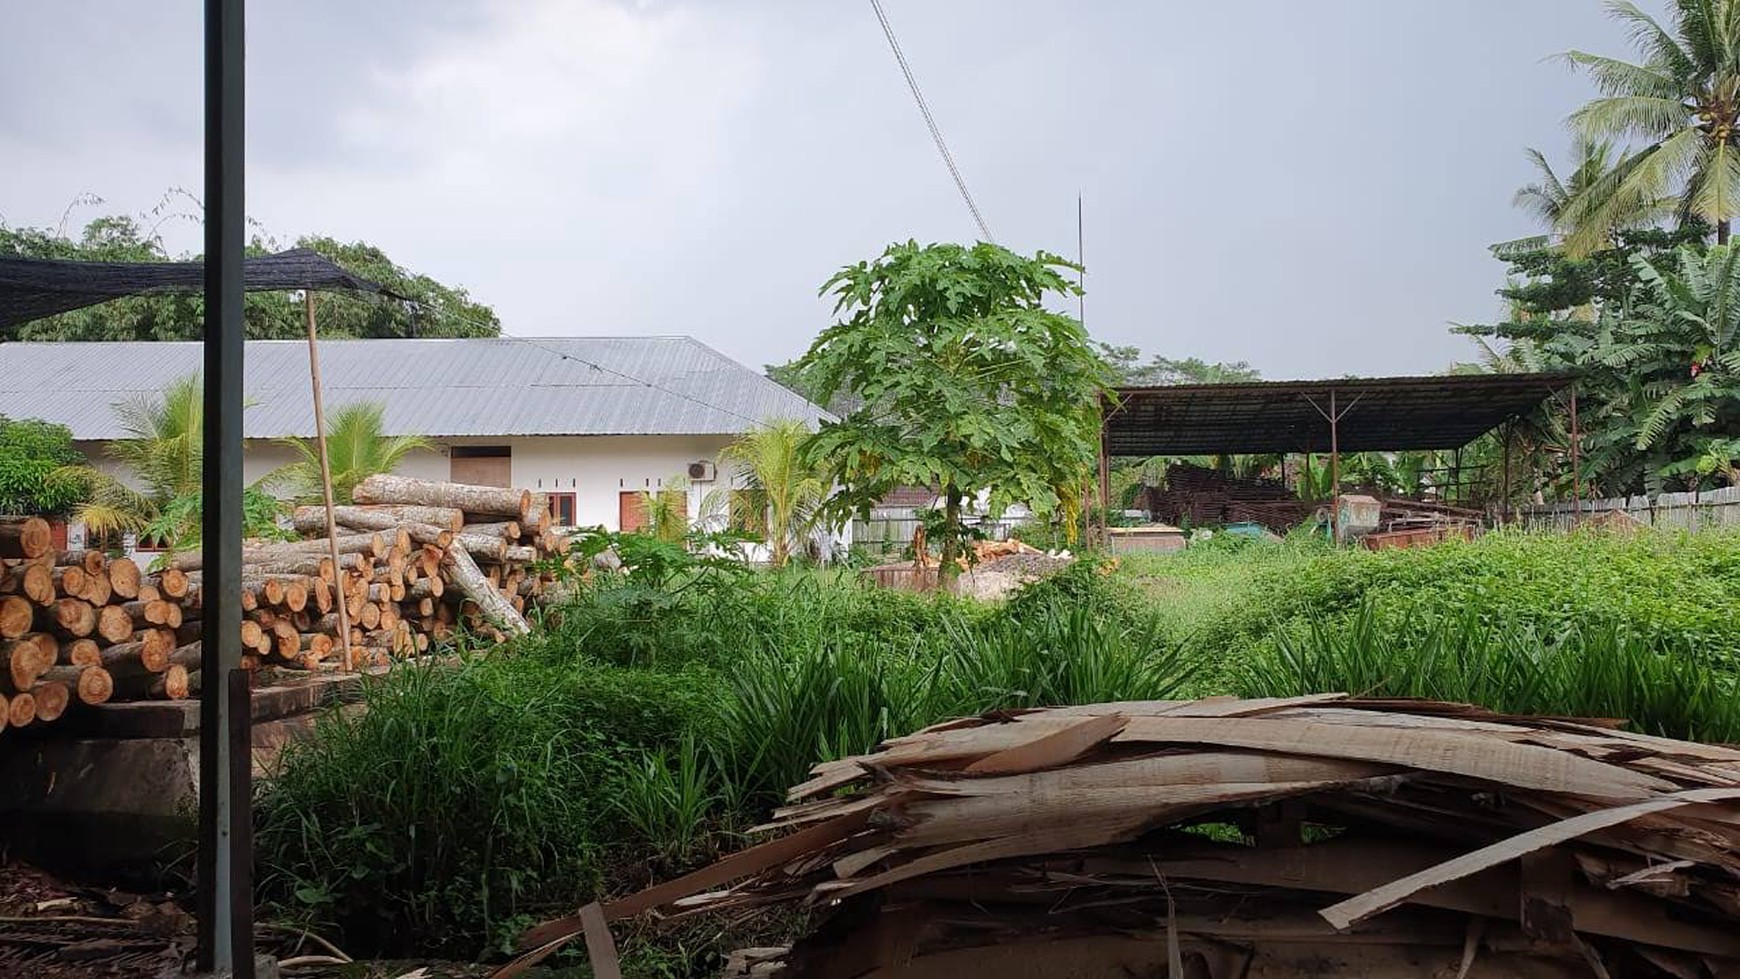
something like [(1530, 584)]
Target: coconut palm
[(1682, 100), (356, 449), (770, 462), (1584, 208), (162, 451)]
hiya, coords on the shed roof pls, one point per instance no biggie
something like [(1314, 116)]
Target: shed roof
[(1376, 414), (452, 387)]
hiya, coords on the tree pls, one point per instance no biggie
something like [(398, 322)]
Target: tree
[(1128, 369), (1585, 209), (432, 309), (162, 450), (788, 486), (969, 383), (1682, 99), (30, 452), (1658, 371), (356, 448)]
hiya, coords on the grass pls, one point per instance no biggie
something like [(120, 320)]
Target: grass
[(645, 724)]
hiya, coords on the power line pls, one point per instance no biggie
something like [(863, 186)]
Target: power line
[(930, 121)]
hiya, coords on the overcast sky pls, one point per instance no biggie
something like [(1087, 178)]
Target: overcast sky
[(1307, 186)]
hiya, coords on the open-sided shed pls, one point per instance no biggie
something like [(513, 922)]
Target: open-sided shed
[(1329, 416)]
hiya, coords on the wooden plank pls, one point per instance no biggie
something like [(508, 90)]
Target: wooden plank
[(1350, 912), (1460, 753), (1057, 748), (600, 946)]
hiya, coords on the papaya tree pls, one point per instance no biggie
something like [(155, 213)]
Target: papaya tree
[(968, 384)]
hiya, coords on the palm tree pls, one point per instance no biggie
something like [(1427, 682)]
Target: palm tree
[(1682, 100), (162, 451), (770, 462), (1586, 207), (356, 449)]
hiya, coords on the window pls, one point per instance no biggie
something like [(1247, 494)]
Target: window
[(562, 509), (481, 465)]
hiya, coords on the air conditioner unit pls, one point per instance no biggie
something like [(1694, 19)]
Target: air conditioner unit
[(701, 472)]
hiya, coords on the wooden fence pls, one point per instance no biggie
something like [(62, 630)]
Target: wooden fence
[(1682, 511)]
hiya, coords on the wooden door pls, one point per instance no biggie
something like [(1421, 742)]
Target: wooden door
[(630, 511), (481, 466)]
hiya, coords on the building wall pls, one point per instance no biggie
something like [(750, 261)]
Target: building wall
[(594, 468)]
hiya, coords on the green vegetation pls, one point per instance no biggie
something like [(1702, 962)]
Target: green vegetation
[(783, 490), (968, 384), (30, 453), (658, 713), (1620, 289), (433, 309), (356, 449)]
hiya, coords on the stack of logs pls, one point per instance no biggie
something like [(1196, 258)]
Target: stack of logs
[(418, 561)]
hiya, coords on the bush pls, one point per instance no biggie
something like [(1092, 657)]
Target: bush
[(30, 452), (462, 799)]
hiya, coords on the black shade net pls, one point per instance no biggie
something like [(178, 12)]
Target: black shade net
[(32, 288)]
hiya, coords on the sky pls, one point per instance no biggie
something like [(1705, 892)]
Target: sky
[(1309, 187)]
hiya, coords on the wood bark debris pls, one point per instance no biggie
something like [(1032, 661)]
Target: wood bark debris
[(1239, 837)]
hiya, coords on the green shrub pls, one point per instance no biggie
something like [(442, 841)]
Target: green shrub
[(30, 452), (462, 798)]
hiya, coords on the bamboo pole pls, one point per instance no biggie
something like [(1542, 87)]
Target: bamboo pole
[(325, 467)]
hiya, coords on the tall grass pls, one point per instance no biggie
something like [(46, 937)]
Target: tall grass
[(1595, 670), (461, 799)]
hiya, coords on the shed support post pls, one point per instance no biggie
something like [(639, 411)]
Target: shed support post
[(1504, 489), (1334, 471), (225, 936), (1105, 480), (1576, 462)]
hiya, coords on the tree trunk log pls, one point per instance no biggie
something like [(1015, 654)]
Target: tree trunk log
[(69, 581), (507, 530), (312, 519), (115, 625), (69, 617), (141, 656), (27, 658), (16, 616), (52, 698), (470, 582), (174, 684), (21, 709), (173, 583), (81, 652), (124, 578), (37, 584), (91, 562), (97, 590), (92, 684), (493, 500), (25, 537)]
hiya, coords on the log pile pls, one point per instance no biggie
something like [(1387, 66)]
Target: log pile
[(1240, 838), (418, 560)]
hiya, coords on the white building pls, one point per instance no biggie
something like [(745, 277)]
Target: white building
[(592, 421)]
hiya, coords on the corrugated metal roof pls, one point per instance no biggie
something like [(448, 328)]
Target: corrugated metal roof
[(1376, 413), (462, 387)]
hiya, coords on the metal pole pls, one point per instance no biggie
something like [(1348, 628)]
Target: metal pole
[(1504, 492), (1105, 480), (326, 480), (1334, 471), (1576, 462), (225, 882)]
